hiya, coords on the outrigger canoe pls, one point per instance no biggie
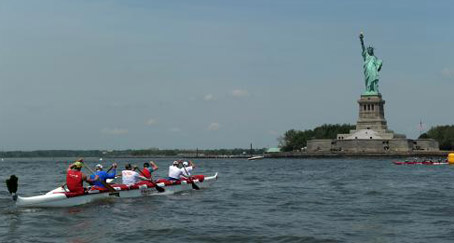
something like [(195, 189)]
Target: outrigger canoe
[(59, 197), (418, 163)]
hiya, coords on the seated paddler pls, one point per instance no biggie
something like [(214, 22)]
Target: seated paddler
[(130, 177), (175, 172), (147, 170), (103, 176), (75, 178)]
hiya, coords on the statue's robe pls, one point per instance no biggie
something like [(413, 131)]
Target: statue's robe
[(371, 66)]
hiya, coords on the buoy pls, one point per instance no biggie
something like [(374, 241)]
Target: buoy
[(451, 158)]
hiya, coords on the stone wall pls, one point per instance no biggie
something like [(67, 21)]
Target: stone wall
[(319, 145), (426, 145)]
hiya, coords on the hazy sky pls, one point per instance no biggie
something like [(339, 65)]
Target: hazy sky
[(213, 74)]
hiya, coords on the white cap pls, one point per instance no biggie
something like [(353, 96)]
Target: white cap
[(98, 166), (185, 163)]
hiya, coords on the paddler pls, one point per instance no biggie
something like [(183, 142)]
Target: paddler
[(130, 177), (103, 176), (75, 177), (187, 168), (175, 172), (146, 171)]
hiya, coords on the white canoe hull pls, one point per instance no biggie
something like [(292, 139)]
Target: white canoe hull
[(57, 198)]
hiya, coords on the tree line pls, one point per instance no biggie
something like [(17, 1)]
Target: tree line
[(443, 134), (131, 153), (294, 140)]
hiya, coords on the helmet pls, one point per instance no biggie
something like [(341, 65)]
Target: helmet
[(78, 164), (175, 162), (99, 166), (185, 163)]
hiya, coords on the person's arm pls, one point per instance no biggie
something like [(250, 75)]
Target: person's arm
[(70, 166), (87, 179), (112, 174), (154, 166), (191, 164)]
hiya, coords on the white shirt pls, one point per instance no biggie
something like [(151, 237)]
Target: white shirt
[(130, 177), (175, 172), (188, 169)]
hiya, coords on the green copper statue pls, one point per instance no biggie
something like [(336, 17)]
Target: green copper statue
[(372, 65)]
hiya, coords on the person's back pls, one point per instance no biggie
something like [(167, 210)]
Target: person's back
[(74, 181), (129, 176), (103, 175), (175, 172), (75, 178)]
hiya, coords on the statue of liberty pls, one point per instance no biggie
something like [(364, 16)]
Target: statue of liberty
[(372, 65)]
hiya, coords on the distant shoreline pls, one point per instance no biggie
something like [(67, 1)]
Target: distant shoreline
[(302, 155)]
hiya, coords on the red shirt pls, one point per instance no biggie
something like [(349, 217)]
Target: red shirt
[(146, 173), (74, 181)]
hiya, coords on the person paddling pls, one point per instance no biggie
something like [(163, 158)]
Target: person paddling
[(75, 177), (146, 171), (187, 168), (102, 176), (175, 172), (130, 177)]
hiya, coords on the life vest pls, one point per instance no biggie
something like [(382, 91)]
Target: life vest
[(146, 173), (74, 181)]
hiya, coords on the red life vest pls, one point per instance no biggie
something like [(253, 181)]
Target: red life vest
[(74, 181), (146, 173)]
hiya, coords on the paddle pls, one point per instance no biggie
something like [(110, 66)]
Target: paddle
[(111, 189), (11, 184), (194, 186), (158, 188)]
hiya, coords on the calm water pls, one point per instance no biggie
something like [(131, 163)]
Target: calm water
[(271, 200)]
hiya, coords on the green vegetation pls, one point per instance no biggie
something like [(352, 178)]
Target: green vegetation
[(443, 134), (153, 152), (296, 139)]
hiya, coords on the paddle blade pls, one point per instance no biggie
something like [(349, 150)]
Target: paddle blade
[(159, 189), (194, 186), (11, 184)]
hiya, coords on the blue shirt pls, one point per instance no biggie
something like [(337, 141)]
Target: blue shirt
[(103, 176)]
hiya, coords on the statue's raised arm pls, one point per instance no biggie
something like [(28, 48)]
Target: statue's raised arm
[(361, 38)]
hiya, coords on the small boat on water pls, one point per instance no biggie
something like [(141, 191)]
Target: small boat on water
[(60, 197), (256, 157), (419, 163)]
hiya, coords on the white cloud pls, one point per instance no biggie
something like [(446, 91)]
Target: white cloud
[(447, 72), (240, 93), (208, 97), (214, 126), (114, 131), (175, 129), (151, 122)]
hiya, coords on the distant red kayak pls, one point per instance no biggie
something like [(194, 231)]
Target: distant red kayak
[(419, 163)]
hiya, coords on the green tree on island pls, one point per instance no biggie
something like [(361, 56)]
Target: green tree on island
[(443, 134), (296, 139)]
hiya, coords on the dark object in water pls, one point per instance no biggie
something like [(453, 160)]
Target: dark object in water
[(11, 184)]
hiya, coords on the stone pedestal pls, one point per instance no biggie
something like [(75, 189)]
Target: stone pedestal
[(371, 113), (371, 122)]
